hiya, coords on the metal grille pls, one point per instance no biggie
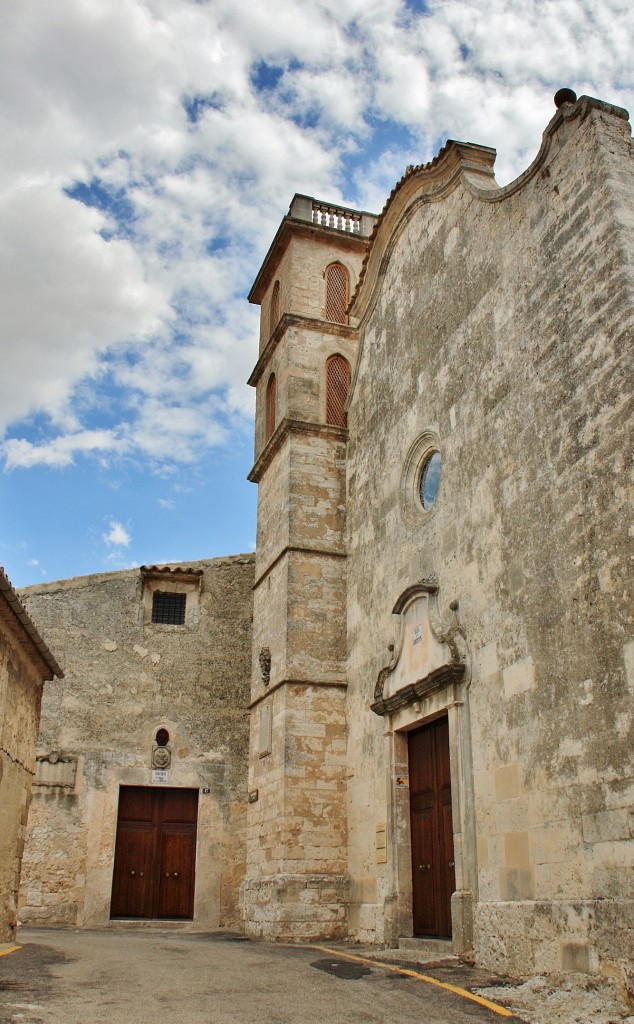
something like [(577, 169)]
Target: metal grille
[(271, 396), (337, 385), (168, 609), (337, 294), (275, 307)]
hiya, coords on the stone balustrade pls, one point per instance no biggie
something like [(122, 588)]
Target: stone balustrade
[(353, 222)]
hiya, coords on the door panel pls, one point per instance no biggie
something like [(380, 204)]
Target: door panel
[(136, 803), (180, 805), (178, 849), (132, 881), (433, 876), (155, 853)]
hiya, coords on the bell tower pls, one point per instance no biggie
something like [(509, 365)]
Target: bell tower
[(296, 883)]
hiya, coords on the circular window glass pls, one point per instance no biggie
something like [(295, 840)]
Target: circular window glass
[(430, 481)]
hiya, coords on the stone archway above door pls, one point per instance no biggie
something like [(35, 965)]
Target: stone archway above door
[(428, 655)]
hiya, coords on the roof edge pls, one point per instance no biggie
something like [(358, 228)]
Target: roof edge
[(454, 162), (19, 611)]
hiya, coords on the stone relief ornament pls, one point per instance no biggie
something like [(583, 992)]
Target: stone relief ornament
[(429, 653), (161, 757), (55, 769), (265, 665)]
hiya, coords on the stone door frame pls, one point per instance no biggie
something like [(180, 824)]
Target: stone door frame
[(399, 921)]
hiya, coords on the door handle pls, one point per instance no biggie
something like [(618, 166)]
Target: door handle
[(452, 864), (424, 867), (176, 874), (132, 874)]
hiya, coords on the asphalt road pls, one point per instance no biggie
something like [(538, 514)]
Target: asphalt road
[(150, 977)]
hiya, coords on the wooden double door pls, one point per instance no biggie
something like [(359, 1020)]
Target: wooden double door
[(433, 874), (155, 853)]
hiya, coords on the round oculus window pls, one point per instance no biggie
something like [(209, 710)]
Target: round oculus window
[(429, 481)]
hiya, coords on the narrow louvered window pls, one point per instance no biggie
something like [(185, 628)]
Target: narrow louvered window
[(271, 396), (337, 385), (275, 307), (337, 293)]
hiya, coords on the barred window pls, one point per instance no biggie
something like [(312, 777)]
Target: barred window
[(337, 293), (271, 396), (168, 609), (275, 307), (337, 385)]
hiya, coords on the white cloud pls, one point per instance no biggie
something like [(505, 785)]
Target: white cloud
[(67, 296), (59, 451), (151, 309), (117, 535)]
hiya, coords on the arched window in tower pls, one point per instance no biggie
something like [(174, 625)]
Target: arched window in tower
[(337, 386), (271, 396), (337, 293), (275, 307)]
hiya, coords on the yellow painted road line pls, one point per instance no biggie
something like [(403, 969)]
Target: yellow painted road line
[(501, 1010), (11, 949)]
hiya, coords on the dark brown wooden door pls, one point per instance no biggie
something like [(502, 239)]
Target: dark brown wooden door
[(433, 875), (155, 853)]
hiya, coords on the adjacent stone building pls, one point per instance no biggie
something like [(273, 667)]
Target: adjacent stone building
[(442, 665), (139, 795), (441, 739), (25, 664)]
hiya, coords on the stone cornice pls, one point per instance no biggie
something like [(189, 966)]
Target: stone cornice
[(419, 185), (437, 680), (300, 550), (291, 226), (296, 320), (341, 684), (289, 426), (455, 163)]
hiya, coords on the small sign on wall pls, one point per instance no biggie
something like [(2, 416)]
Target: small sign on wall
[(402, 781), (418, 635), (159, 776)]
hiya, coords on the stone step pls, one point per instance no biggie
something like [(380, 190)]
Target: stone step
[(155, 923), (427, 948)]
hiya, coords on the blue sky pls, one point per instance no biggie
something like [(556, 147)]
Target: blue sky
[(150, 150)]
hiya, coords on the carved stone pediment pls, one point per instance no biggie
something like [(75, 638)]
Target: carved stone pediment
[(428, 654)]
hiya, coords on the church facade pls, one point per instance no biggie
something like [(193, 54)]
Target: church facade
[(442, 653), (441, 738)]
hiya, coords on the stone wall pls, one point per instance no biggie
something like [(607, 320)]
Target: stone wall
[(126, 678), (497, 328), (25, 663)]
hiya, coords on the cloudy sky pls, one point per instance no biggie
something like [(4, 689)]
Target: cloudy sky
[(149, 150)]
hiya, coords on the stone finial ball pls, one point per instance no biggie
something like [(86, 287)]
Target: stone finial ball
[(564, 96)]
